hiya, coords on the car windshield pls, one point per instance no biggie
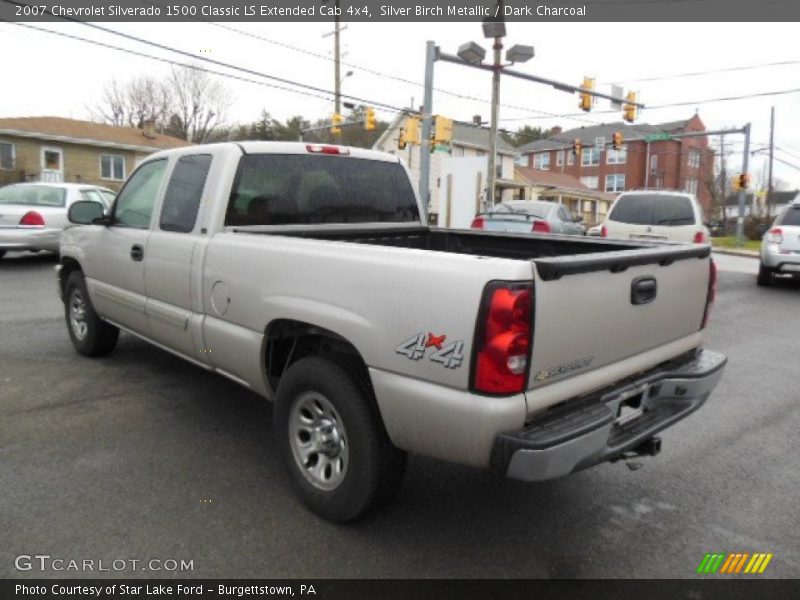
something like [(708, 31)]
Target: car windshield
[(278, 189), (653, 209), (791, 216), (33, 195)]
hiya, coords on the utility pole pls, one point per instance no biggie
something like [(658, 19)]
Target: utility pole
[(742, 191), (771, 151), (492, 175), (425, 142), (723, 183), (336, 62)]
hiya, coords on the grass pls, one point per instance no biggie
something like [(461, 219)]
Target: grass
[(730, 242)]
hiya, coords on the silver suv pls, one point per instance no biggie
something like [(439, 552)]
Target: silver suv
[(780, 248)]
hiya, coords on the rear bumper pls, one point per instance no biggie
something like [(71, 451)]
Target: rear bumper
[(586, 431), (781, 263), (19, 238)]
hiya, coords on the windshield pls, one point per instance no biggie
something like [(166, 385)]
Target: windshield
[(295, 189), (33, 195), (653, 209)]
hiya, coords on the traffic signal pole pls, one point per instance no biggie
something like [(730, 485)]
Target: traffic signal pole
[(492, 168), (425, 141), (742, 190)]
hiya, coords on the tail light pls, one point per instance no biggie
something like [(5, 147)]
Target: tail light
[(775, 235), (323, 149), (503, 338), (477, 223), (604, 231), (712, 292), (32, 219), (540, 227), (699, 237)]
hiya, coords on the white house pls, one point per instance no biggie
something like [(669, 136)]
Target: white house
[(468, 141)]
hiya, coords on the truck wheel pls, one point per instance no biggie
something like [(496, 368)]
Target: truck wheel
[(90, 335), (764, 275), (332, 441)]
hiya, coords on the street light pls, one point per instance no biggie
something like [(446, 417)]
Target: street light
[(472, 53), (519, 53)]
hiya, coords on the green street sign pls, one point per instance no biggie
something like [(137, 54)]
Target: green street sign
[(657, 137)]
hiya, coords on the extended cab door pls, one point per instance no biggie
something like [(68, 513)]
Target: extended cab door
[(116, 255), (172, 250)]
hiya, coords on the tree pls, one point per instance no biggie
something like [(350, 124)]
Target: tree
[(198, 105), (133, 103), (525, 135)]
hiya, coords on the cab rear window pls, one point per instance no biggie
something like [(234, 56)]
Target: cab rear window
[(299, 189), (653, 209)]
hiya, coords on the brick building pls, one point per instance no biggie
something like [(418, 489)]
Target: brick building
[(649, 158), (69, 150)]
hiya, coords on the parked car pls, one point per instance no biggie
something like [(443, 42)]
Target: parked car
[(526, 216), (32, 215), (656, 215), (306, 274), (780, 246)]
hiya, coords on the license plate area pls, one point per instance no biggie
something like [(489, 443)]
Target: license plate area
[(630, 408)]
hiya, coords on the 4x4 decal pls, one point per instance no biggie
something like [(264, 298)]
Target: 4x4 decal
[(450, 356)]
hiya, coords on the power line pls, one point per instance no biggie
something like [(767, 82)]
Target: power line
[(779, 63)]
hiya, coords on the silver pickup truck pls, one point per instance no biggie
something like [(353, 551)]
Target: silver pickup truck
[(306, 274)]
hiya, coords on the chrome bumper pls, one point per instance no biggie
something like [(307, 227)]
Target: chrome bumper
[(602, 426)]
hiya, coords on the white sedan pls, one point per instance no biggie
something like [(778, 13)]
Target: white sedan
[(32, 215)]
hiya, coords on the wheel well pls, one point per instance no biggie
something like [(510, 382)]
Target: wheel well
[(287, 341), (68, 267)]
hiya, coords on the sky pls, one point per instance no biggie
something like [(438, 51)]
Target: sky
[(63, 77)]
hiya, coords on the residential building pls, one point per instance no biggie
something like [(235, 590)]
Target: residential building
[(69, 150), (468, 141), (649, 158), (756, 204), (550, 186)]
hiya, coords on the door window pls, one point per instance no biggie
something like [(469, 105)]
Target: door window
[(135, 203), (182, 198)]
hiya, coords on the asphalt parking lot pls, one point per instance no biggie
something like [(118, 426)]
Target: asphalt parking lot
[(140, 455)]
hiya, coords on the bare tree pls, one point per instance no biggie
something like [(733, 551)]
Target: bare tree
[(199, 105), (133, 103)]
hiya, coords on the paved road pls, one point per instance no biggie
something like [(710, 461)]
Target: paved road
[(142, 456)]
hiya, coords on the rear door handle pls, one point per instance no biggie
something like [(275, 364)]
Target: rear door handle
[(137, 252)]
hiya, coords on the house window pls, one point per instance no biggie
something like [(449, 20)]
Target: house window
[(691, 185), (590, 157), (591, 181), (112, 166), (570, 158), (6, 155), (617, 157), (523, 160), (541, 161), (694, 159), (654, 163), (560, 158), (615, 183)]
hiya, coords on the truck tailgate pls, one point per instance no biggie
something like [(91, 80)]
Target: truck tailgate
[(595, 313)]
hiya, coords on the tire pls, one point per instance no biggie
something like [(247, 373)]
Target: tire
[(765, 276), (90, 335), (330, 435)]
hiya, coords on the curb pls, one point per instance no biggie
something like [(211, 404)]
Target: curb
[(734, 252)]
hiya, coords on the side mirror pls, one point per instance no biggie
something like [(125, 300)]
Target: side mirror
[(85, 212)]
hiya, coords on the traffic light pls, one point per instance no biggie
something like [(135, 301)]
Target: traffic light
[(744, 181), (412, 130), (585, 102), (336, 121), (370, 122), (577, 147), (402, 141), (616, 140), (629, 108), (442, 130)]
